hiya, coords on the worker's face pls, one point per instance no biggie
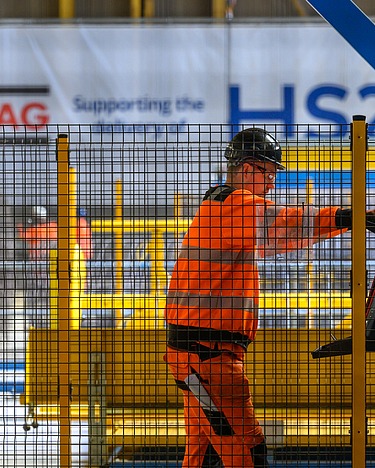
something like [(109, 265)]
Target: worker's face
[(259, 178)]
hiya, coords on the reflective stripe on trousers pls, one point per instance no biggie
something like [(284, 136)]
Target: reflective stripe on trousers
[(225, 382)]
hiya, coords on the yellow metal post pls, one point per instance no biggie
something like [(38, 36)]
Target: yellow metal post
[(149, 8), (359, 290), (72, 212), (75, 261), (118, 234), (310, 272), (63, 241), (135, 8), (54, 290), (142, 8), (78, 276), (218, 8), (66, 9), (177, 205)]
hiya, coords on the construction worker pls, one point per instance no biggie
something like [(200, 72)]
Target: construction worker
[(40, 234), (212, 302)]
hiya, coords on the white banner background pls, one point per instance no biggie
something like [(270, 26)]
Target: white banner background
[(168, 74), (180, 73)]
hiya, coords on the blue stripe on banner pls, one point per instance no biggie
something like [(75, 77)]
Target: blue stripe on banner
[(351, 23)]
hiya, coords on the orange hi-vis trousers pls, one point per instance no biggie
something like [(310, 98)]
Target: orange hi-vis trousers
[(228, 423)]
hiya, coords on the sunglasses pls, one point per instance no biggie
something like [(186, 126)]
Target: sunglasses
[(269, 176)]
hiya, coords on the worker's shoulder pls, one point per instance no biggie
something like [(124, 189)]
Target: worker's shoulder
[(218, 193)]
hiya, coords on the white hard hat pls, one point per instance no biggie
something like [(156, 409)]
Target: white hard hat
[(39, 211)]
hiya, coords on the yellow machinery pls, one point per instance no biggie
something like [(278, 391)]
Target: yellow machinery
[(128, 393), (119, 382)]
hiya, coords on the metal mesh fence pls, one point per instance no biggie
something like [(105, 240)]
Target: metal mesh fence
[(98, 273)]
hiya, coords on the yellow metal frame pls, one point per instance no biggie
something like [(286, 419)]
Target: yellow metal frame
[(63, 267), (142, 8), (66, 9), (57, 358), (359, 291), (148, 308), (310, 399), (323, 157)]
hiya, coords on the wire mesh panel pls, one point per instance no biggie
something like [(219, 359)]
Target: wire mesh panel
[(180, 295)]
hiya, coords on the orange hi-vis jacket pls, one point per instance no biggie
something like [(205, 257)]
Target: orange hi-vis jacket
[(40, 238), (214, 289)]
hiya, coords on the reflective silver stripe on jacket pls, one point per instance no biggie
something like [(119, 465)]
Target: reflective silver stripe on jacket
[(301, 234), (210, 302), (217, 256)]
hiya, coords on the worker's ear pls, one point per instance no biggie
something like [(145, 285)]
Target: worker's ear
[(247, 169)]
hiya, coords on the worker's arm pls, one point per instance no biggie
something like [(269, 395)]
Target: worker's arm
[(288, 228)]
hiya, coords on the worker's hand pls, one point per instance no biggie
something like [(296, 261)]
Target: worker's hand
[(370, 220), (344, 219)]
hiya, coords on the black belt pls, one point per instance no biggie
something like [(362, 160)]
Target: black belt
[(184, 338), (204, 352)]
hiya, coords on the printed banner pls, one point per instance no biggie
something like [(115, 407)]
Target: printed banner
[(124, 79), (109, 75)]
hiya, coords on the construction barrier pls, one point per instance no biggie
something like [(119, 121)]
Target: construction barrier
[(94, 358)]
